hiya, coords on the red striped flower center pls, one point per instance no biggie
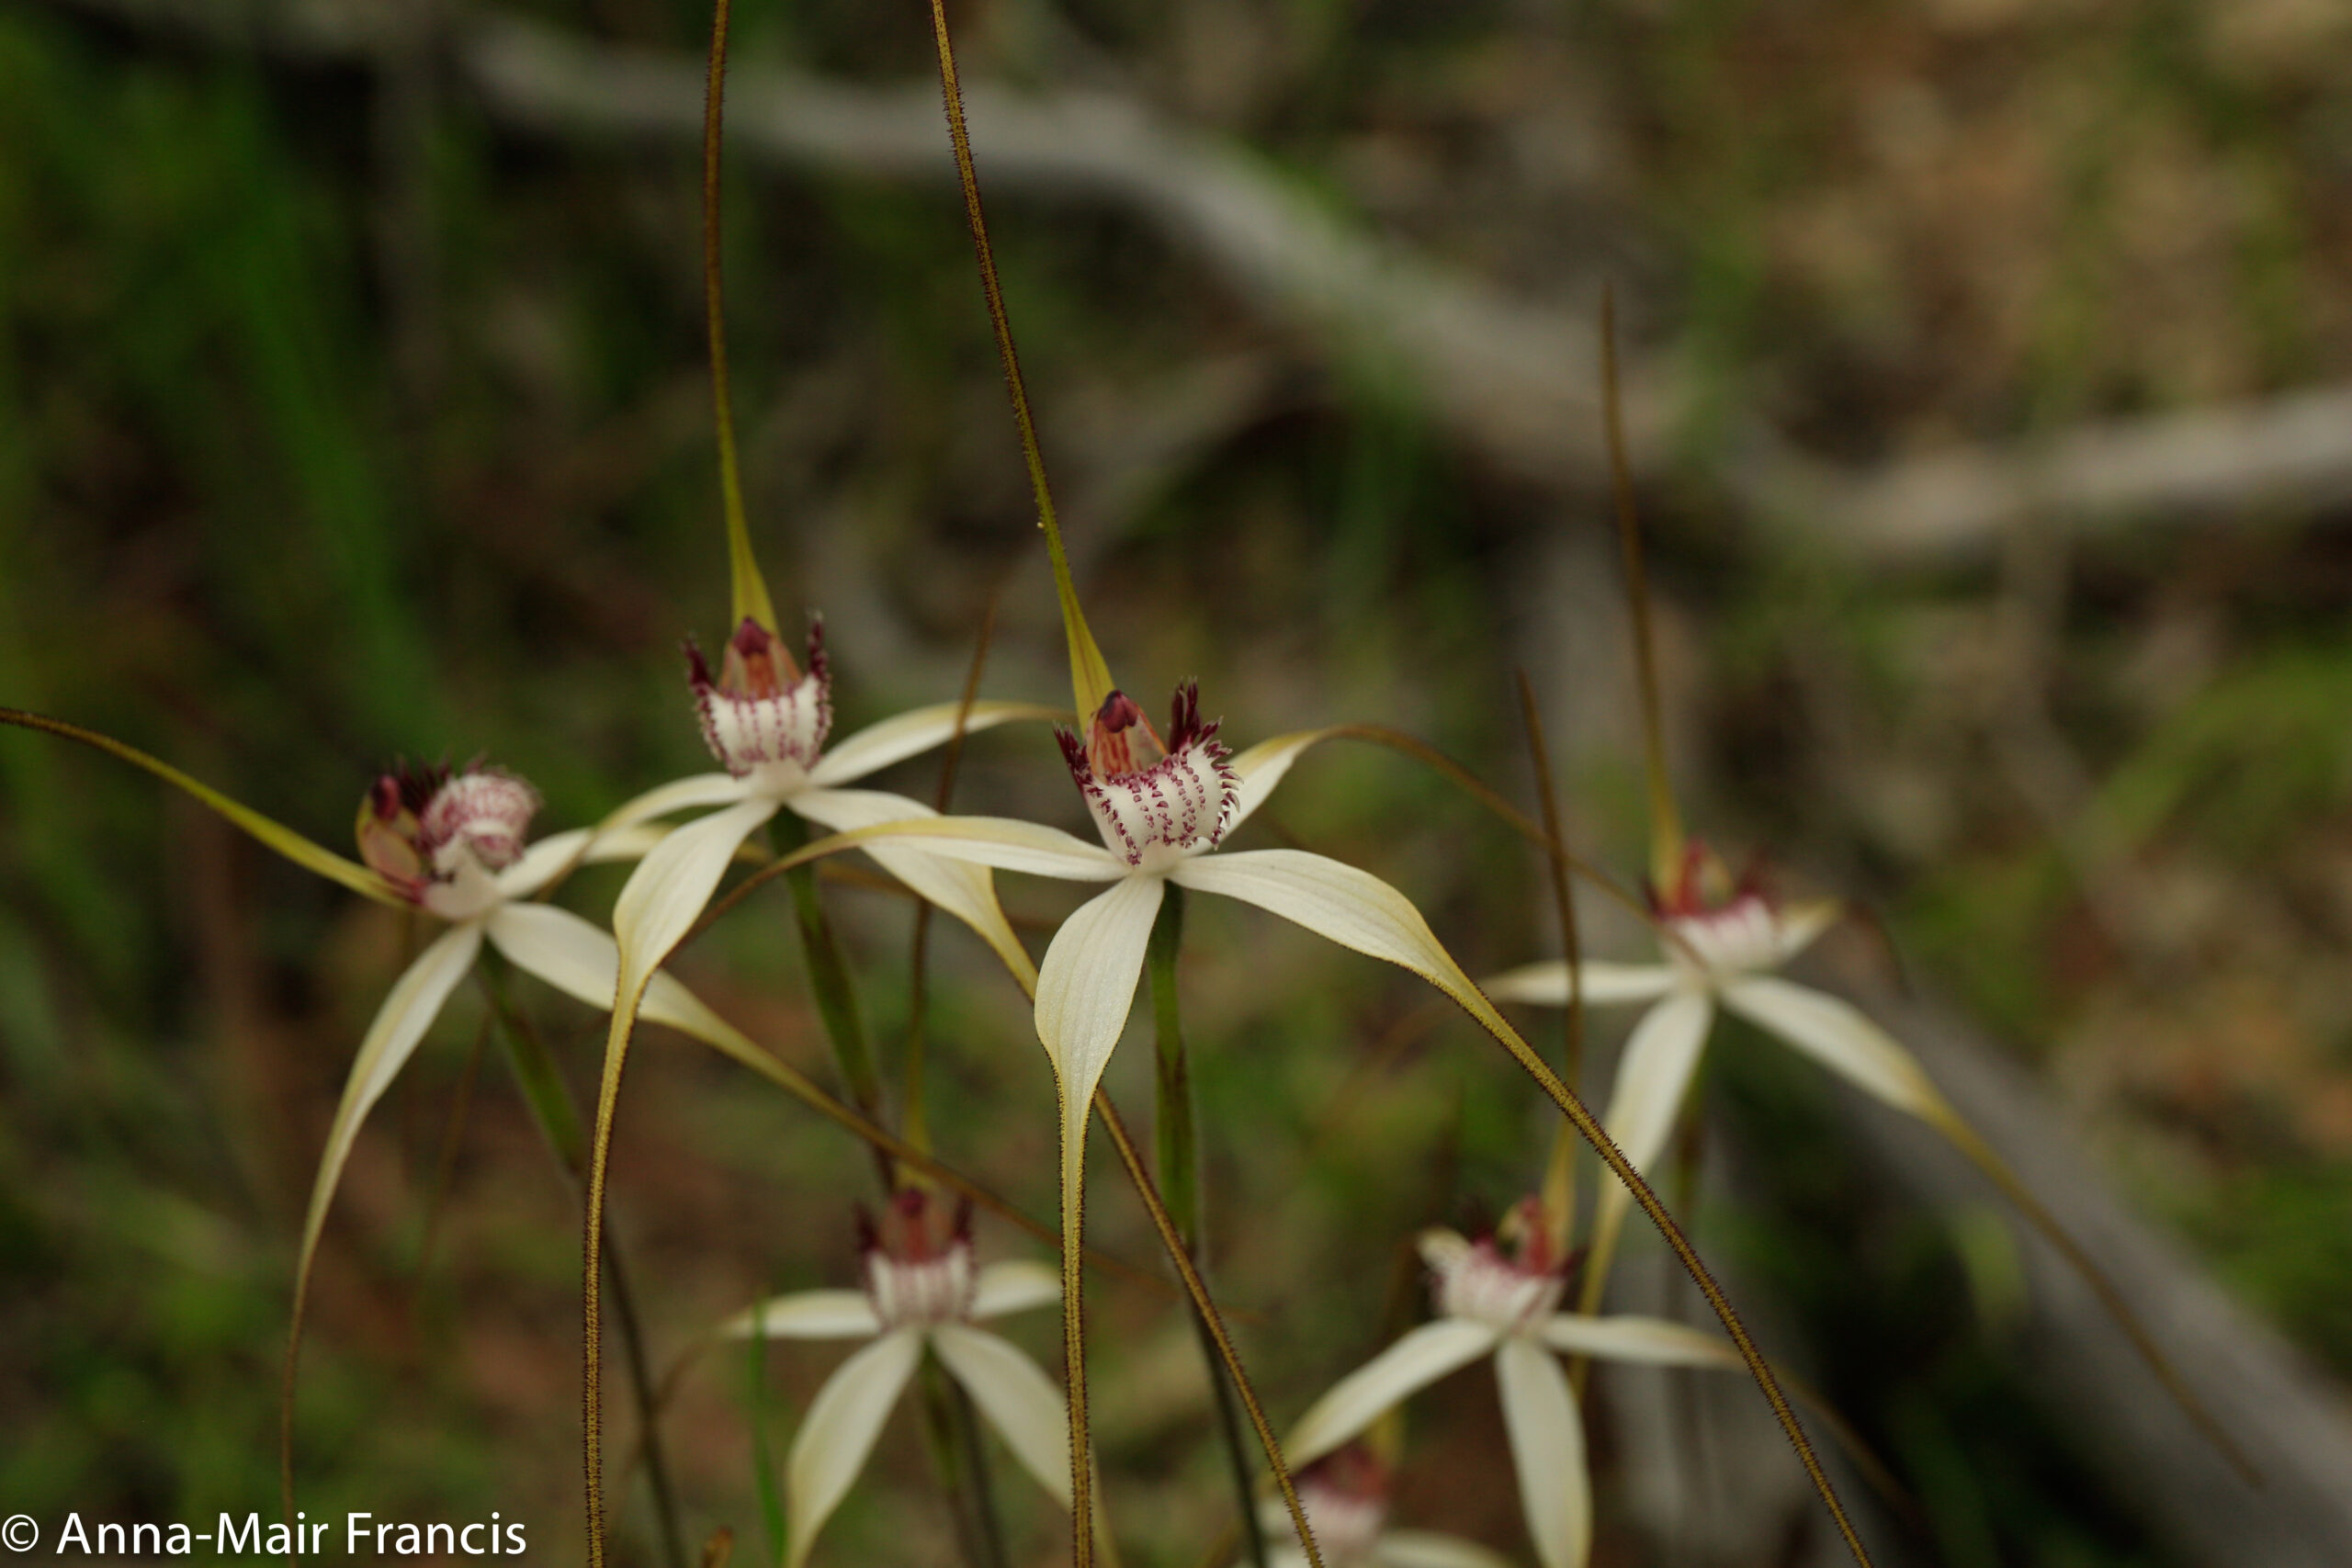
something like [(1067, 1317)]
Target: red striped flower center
[(1151, 813)]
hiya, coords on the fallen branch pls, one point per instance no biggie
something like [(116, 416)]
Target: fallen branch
[(1512, 381)]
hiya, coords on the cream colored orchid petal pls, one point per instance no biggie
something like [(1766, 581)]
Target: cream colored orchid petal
[(844, 1420), (545, 859), (557, 946), (1015, 1286), (407, 1011), (1426, 1548), (1086, 986), (1261, 768), (1016, 1396), (1643, 1342), (1353, 907), (963, 890), (911, 733), (1800, 925), (1356, 1401), (808, 1314), (1653, 1078), (1547, 1449), (678, 794), (669, 889), (1838, 1036), (1006, 843), (560, 853), (1653, 1075), (1605, 984)]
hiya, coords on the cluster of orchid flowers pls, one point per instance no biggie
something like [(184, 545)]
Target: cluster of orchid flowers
[(455, 844)]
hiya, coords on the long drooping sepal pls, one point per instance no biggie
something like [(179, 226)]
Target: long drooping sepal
[(842, 1423), (1653, 1080), (911, 733), (1089, 677), (1424, 1355), (1840, 1037), (662, 897), (1547, 1449), (1359, 910), (749, 588), (1019, 1401), (273, 835), (1085, 989), (414, 1002), (963, 889)]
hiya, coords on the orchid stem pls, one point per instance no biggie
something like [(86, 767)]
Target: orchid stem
[(915, 1121), (1559, 1175), (836, 994), (1089, 677), (1666, 822), (763, 1450), (952, 1433), (1175, 1130), (1176, 1152), (552, 1107), (1210, 1318)]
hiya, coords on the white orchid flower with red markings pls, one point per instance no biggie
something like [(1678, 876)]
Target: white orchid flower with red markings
[(1722, 940), (1162, 805), (1499, 1296), (1345, 1495), (452, 844), (921, 1290), (766, 719)]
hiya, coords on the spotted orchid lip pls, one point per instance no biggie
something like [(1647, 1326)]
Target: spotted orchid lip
[(1178, 805), (1345, 1495), (423, 828), (761, 709), (914, 1269), (1484, 1282)]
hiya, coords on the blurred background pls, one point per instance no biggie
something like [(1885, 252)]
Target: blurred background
[(1986, 376)]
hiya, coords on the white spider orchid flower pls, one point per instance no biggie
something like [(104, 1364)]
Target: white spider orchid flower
[(1345, 1497), (1500, 1297), (1724, 940), (921, 1290), (452, 844), (767, 720), (1161, 805)]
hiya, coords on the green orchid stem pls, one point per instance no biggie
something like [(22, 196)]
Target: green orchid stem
[(829, 981), (1176, 1152), (952, 1430), (763, 1450), (557, 1115), (1175, 1132), (1666, 822)]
